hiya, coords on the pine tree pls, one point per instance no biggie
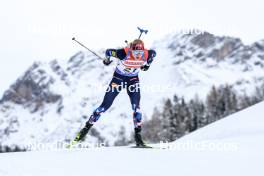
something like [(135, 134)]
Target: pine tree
[(213, 106), (168, 120), (197, 112), (229, 100), (152, 129)]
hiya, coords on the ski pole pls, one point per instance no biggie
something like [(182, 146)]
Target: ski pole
[(87, 48), (142, 31), (127, 43)]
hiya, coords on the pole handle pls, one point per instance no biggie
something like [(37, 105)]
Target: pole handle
[(141, 31)]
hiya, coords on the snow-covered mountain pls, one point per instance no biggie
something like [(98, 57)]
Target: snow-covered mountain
[(51, 101), (199, 61), (231, 146)]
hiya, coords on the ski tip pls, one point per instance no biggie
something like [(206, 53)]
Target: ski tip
[(71, 144)]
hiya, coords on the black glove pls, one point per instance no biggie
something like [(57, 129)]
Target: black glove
[(107, 61), (144, 67)]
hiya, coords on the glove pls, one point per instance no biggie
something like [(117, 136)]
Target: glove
[(107, 61), (144, 67), (152, 54)]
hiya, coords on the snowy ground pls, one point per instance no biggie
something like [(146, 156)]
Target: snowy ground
[(232, 146)]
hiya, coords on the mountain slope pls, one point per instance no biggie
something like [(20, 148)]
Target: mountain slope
[(244, 130), (51, 101)]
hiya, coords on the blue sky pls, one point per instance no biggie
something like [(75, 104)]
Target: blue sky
[(42, 29)]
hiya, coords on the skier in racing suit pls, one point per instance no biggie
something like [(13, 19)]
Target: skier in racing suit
[(132, 59)]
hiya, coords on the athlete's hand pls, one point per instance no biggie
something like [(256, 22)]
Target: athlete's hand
[(107, 61), (144, 67)]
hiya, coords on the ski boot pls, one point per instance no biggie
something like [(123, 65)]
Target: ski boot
[(81, 135), (138, 139)]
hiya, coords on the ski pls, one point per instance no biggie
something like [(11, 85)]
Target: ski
[(143, 147)]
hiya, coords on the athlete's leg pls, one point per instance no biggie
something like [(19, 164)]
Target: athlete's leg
[(133, 90), (112, 91)]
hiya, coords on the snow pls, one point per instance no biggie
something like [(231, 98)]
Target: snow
[(242, 135)]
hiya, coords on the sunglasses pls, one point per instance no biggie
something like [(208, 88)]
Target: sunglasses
[(137, 52)]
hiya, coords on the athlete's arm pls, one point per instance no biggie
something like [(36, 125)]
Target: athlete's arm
[(117, 53), (151, 55)]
